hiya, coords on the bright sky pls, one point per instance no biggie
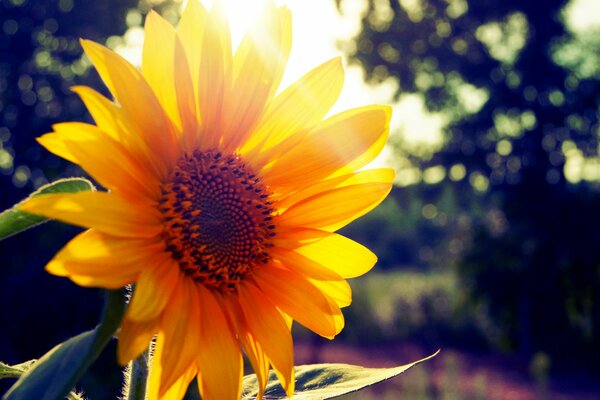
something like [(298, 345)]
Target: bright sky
[(317, 26)]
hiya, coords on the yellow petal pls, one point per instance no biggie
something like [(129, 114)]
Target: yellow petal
[(153, 290), (299, 107), (113, 121), (337, 290), (335, 145), (158, 66), (134, 339), (300, 299), (291, 237), (380, 175), (344, 256), (219, 359), (254, 351), (96, 259), (106, 212), (258, 63), (191, 32), (180, 325), (156, 369), (335, 208), (215, 76), (88, 146), (270, 330), (105, 112), (186, 100), (142, 109), (179, 388), (304, 265)]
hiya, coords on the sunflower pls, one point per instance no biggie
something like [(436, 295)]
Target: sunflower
[(222, 198)]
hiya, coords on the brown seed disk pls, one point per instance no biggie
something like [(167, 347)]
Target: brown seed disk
[(218, 220)]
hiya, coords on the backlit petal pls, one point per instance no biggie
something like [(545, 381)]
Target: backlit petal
[(297, 262), (335, 208), (214, 83), (380, 175), (180, 325), (191, 32), (297, 108), (87, 146), (335, 145), (252, 348), (270, 330), (142, 109), (153, 290), (106, 114), (338, 290), (96, 259), (179, 388), (344, 256), (106, 212), (259, 63), (220, 358), (134, 339), (300, 299), (158, 66)]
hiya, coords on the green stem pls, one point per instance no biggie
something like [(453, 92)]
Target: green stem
[(138, 376)]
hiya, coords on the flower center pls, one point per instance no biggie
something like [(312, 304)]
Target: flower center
[(218, 220)]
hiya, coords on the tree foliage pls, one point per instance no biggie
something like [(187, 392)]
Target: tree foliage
[(521, 92)]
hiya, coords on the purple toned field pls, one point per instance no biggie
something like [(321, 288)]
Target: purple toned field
[(452, 375)]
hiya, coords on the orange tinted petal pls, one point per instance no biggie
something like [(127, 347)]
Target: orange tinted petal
[(252, 348), (153, 290), (297, 297), (270, 330), (134, 339), (299, 107), (106, 212), (344, 142), (220, 358), (380, 175), (96, 259), (180, 325), (179, 388), (335, 208), (142, 109), (303, 265), (88, 146)]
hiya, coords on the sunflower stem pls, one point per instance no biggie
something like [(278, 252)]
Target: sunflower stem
[(137, 377)]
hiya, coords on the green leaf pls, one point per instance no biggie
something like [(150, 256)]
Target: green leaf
[(54, 375), (324, 381), (13, 221)]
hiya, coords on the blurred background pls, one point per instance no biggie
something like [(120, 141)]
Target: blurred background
[(488, 243)]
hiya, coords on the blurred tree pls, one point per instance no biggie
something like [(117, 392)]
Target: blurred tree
[(520, 93), (40, 58)]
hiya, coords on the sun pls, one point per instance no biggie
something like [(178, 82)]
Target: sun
[(239, 14)]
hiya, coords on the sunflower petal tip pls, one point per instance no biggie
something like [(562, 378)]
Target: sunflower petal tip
[(55, 268), (86, 44), (122, 357)]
